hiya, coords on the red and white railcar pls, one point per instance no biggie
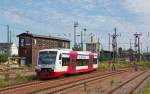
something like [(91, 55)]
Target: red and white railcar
[(56, 62)]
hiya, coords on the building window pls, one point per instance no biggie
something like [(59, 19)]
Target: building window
[(33, 41), (22, 42), (60, 44), (43, 42), (28, 41), (39, 42), (63, 44)]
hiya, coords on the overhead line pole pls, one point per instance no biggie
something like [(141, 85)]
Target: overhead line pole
[(75, 26), (147, 48), (8, 34), (130, 44), (114, 45), (109, 41), (82, 40), (137, 46)]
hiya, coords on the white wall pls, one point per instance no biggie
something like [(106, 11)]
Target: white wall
[(14, 49)]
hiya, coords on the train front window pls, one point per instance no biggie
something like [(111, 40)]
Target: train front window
[(47, 57)]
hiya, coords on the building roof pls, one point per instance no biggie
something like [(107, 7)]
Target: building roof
[(93, 43), (42, 36)]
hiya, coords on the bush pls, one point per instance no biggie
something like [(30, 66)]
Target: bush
[(104, 58), (4, 56), (104, 66), (77, 48), (145, 65)]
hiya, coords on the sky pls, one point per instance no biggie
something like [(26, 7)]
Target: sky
[(57, 17)]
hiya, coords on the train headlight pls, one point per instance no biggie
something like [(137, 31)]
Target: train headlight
[(38, 68)]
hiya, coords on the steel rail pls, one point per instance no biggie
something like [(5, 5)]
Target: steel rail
[(72, 84), (123, 84), (20, 85), (139, 84)]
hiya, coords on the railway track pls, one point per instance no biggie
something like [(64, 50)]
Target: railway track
[(9, 88), (20, 85), (34, 87), (65, 86), (131, 85)]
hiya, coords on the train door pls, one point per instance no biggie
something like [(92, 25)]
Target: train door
[(90, 65), (72, 64)]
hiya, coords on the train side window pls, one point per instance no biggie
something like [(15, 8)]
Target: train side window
[(82, 62), (79, 62), (95, 61), (65, 61), (86, 62)]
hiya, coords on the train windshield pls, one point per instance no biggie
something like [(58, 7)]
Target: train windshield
[(47, 57)]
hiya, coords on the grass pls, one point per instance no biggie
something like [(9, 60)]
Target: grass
[(20, 78), (105, 66), (15, 81), (146, 89), (112, 82), (145, 64)]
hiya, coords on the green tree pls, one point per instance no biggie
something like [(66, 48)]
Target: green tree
[(77, 48), (103, 57), (4, 56)]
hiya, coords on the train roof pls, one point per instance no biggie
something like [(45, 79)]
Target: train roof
[(67, 51)]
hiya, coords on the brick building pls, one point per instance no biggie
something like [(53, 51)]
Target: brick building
[(30, 44)]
